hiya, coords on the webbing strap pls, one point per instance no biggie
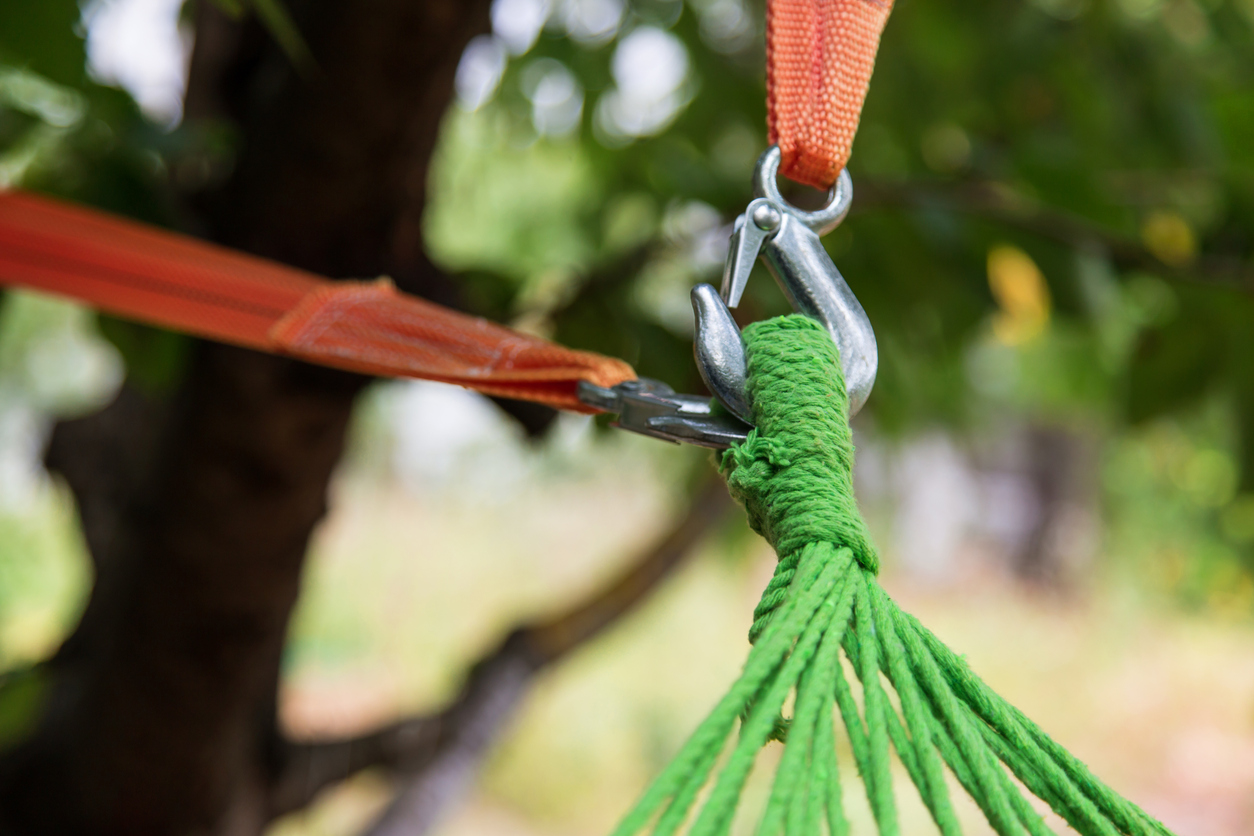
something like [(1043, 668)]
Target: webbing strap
[(819, 58), (173, 281)]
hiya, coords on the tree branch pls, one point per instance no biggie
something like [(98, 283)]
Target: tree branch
[(437, 755), (992, 203)]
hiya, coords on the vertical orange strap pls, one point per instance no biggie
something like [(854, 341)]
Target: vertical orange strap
[(819, 58)]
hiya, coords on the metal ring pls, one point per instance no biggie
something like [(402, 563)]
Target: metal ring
[(822, 221)]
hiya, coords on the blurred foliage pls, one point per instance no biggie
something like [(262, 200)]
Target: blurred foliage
[(1129, 120), (21, 697), (1177, 518), (600, 150), (274, 16), (50, 364), (1124, 116), (586, 180)]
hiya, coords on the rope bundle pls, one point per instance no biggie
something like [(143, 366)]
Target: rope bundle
[(794, 476)]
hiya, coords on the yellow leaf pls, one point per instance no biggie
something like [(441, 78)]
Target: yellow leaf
[(1021, 293), (1170, 238)]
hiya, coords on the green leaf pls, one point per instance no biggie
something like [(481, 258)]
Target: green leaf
[(1174, 364), (21, 698), (275, 18), (155, 358), (233, 9), (40, 35)]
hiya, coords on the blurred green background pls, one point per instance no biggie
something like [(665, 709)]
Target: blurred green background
[(1053, 234)]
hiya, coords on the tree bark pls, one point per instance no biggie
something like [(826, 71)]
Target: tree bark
[(160, 717)]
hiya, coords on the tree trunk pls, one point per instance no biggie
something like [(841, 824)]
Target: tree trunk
[(1054, 469), (160, 718)]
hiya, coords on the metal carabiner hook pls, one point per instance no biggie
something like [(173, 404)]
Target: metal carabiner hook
[(787, 238)]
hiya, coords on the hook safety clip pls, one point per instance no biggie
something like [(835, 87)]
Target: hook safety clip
[(787, 239)]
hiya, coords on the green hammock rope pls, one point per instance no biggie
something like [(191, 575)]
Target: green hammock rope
[(794, 476)]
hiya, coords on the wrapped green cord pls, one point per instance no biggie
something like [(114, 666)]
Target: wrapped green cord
[(794, 476)]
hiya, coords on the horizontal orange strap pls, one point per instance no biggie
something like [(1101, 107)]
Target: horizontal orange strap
[(184, 284)]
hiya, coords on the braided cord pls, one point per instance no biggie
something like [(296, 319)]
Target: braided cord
[(824, 606)]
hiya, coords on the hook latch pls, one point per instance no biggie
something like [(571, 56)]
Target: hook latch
[(788, 240)]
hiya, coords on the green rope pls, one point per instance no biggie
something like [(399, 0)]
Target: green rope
[(794, 475)]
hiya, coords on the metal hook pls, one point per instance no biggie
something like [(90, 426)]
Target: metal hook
[(788, 240)]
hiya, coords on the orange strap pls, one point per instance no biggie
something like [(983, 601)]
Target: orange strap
[(819, 58), (820, 54), (173, 281)]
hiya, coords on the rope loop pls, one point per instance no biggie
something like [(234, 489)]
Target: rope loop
[(824, 608), (794, 473)]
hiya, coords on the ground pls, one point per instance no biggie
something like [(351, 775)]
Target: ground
[(424, 562)]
